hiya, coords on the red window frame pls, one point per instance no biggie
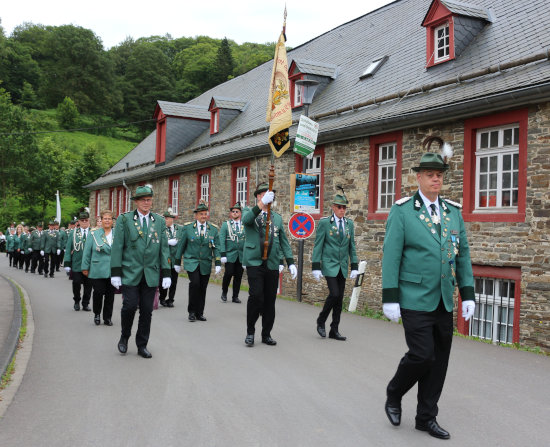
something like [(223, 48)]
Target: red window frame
[(214, 121), (170, 191), (199, 174), (437, 16), (160, 151), (97, 201), (234, 167), (470, 129), (511, 273), (292, 79), (374, 142), (298, 167)]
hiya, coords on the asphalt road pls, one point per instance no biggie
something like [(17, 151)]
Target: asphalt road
[(203, 387)]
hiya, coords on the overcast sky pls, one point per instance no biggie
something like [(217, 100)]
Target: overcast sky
[(256, 21)]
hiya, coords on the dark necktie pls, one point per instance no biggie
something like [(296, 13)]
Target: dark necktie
[(341, 230), (83, 235), (237, 227), (202, 230), (434, 214), (145, 224)]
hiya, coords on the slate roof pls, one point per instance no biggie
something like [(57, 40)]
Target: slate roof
[(466, 9), (518, 30), (316, 68), (229, 103), (184, 110)]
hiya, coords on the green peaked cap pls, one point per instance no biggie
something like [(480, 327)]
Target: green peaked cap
[(262, 187), (340, 199), (143, 191), (431, 160), (237, 206), (201, 207)]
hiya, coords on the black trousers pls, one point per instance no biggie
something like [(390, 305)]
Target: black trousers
[(49, 262), (37, 261), (171, 292), (429, 336), (141, 296), (232, 270), (261, 300), (27, 260), (197, 291), (336, 286), (103, 297), (11, 256), (78, 280), (59, 260)]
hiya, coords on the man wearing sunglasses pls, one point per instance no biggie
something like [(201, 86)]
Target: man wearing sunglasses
[(231, 249), (334, 248)]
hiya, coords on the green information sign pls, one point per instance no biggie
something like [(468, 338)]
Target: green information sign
[(306, 136)]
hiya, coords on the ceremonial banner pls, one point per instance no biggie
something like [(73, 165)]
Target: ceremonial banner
[(279, 110), (58, 209)]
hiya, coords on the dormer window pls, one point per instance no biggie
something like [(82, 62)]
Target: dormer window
[(298, 95), (214, 121), (441, 43), (373, 67)]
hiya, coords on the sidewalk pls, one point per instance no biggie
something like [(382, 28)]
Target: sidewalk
[(10, 322)]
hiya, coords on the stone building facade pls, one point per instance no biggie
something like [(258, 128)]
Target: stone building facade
[(498, 124)]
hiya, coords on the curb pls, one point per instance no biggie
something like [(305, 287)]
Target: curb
[(10, 346)]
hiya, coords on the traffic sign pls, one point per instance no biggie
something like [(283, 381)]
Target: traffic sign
[(301, 225)]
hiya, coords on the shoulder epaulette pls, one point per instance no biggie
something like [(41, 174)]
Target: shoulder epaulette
[(402, 200), (324, 217), (187, 223), (214, 225), (458, 205)]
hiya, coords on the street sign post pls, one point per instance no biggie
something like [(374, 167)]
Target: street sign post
[(301, 225)]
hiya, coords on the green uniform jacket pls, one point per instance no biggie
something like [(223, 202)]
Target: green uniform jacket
[(231, 241), (10, 242), (48, 242), (97, 255), (255, 233), (62, 239), (17, 242), (330, 253), (176, 234), (25, 241), (419, 266), (136, 253), (36, 236), (74, 250), (198, 251)]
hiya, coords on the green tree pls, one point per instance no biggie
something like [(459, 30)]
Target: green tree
[(87, 168), (28, 97), (223, 64), (67, 113)]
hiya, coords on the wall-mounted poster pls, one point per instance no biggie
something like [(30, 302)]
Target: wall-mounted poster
[(302, 192)]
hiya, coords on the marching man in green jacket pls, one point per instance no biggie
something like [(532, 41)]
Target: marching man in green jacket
[(37, 260), (139, 256), (334, 248), (426, 256), (263, 275), (174, 233), (199, 244), (48, 248), (231, 248)]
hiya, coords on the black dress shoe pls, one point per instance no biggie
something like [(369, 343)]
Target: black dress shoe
[(433, 429), (393, 411), (269, 341), (123, 345), (169, 304), (86, 308), (249, 340), (192, 317), (76, 306), (45, 275), (163, 303), (97, 320), (51, 276), (107, 322), (321, 330), (224, 297), (336, 335), (201, 318), (236, 300), (143, 352)]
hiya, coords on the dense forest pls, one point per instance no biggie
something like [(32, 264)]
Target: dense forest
[(54, 79)]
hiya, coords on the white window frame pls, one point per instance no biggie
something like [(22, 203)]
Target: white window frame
[(113, 197), (205, 187), (216, 124), (494, 311), (384, 165), (98, 203), (119, 203), (446, 45), (499, 151), (128, 199), (175, 195), (241, 184), (298, 94), (314, 166)]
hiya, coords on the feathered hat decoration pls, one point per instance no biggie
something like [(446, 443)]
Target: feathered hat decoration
[(446, 152)]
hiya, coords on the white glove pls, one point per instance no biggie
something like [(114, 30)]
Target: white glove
[(116, 281), (317, 274), (293, 271), (281, 268), (67, 269), (353, 274), (223, 259), (58, 252), (218, 269), (392, 311), (41, 252), (468, 308), (172, 242), (244, 267), (177, 268), (166, 283), (268, 197), (30, 250)]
